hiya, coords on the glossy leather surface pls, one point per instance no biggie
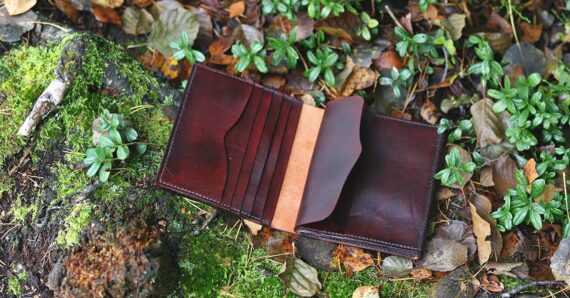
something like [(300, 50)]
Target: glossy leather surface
[(228, 143)]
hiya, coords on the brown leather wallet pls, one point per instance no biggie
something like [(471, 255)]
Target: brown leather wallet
[(338, 174)]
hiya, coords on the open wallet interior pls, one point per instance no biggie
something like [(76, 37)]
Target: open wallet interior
[(340, 174)]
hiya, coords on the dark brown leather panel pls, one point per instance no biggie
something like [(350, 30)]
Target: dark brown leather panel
[(196, 161), (262, 155), (271, 162), (282, 161), (337, 150), (251, 152), (386, 200), (236, 143)]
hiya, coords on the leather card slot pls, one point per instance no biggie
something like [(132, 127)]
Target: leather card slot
[(236, 144), (196, 163), (262, 156), (271, 162), (251, 151), (282, 161), (379, 184)]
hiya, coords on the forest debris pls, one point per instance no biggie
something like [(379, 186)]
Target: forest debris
[(486, 177), (136, 21), (168, 27), (454, 24), (461, 232), (443, 255), (528, 56), (366, 292), (67, 8), (514, 270), (16, 7), (354, 259), (429, 112), (68, 66), (489, 239), (531, 33), (253, 227), (491, 283), (503, 174), (394, 266), (489, 127), (300, 278), (560, 261)]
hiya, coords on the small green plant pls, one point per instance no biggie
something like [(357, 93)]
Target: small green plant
[(521, 207), (416, 47), (110, 146), (321, 9), (14, 284), (254, 54), (286, 8), (425, 3), (487, 68), (368, 24), (323, 61), (184, 50), (463, 128), (284, 49), (315, 40), (453, 173), (548, 165), (398, 79)]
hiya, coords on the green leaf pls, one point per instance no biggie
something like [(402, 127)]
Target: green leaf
[(131, 134), (260, 64), (520, 178), (500, 106), (141, 148), (420, 38), (313, 73), (243, 63), (91, 156), (93, 169), (122, 152), (330, 60), (256, 46), (534, 79), (520, 216), (101, 154), (469, 167), (535, 219), (106, 142), (537, 188), (168, 27), (104, 171), (179, 55), (115, 136), (329, 77), (199, 56)]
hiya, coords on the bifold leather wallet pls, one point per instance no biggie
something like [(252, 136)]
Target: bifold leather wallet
[(339, 174)]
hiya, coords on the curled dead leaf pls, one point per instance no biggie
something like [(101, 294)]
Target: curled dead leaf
[(531, 33), (429, 112), (16, 7), (486, 177), (489, 239), (354, 259), (489, 127), (300, 278), (530, 170), (236, 9), (360, 78), (106, 15), (443, 255)]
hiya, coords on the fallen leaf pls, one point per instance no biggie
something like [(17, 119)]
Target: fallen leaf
[(461, 232), (489, 240), (394, 266), (300, 278), (444, 193), (248, 34), (274, 81), (278, 244), (431, 14), (168, 27), (218, 51), (406, 22), (504, 174), (142, 3), (108, 3), (531, 33), (363, 55), (168, 66), (486, 176), (527, 55), (549, 191), (67, 8), (497, 22), (159, 7), (443, 255), (388, 60), (421, 273), (429, 112), (514, 270), (16, 7), (360, 78), (457, 284), (12, 27), (366, 292), (343, 26), (454, 24), (560, 261), (354, 259), (530, 170), (491, 283), (236, 9), (136, 21), (317, 253), (489, 127), (253, 227), (499, 42), (106, 15)]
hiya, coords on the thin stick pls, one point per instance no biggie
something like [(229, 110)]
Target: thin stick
[(391, 14), (531, 284)]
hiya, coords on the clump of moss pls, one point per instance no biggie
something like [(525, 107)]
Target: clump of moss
[(20, 211), (15, 284), (74, 224)]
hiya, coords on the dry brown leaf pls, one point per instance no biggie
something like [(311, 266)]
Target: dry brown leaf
[(549, 191), (388, 60), (136, 21), (444, 193), (531, 33), (67, 8), (16, 7), (406, 22), (396, 113), (253, 227), (454, 24), (421, 274), (429, 112), (496, 22), (486, 177), (236, 9), (360, 78), (491, 283), (443, 255), (354, 259), (106, 15), (366, 292), (218, 49), (503, 174), (530, 170), (308, 99), (514, 270), (109, 3), (431, 14), (489, 240), (489, 127), (343, 26), (155, 61), (274, 81), (142, 3)]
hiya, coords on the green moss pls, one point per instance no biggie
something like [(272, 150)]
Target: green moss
[(27, 72), (14, 284), (20, 212), (74, 224)]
